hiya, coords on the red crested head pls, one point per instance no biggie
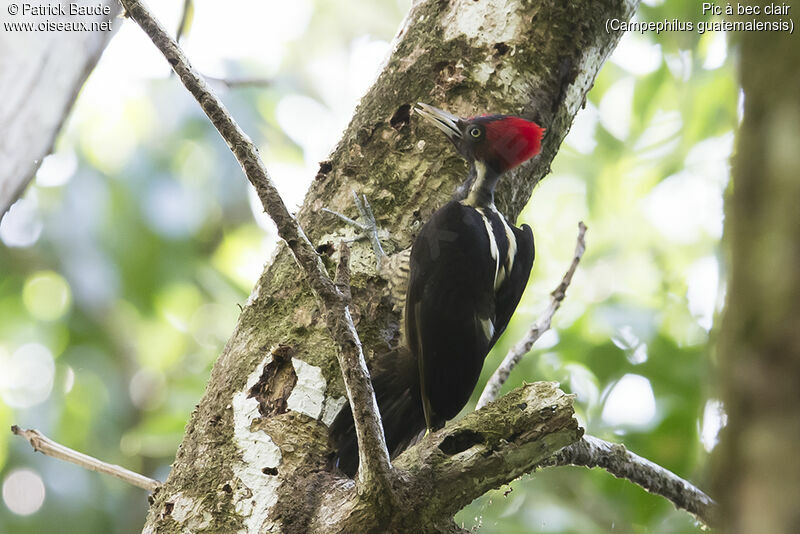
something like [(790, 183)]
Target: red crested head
[(509, 141), (501, 142)]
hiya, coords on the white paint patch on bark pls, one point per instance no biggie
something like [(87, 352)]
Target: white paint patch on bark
[(482, 23), (331, 409), (189, 513), (255, 501), (308, 394), (483, 72), (248, 506)]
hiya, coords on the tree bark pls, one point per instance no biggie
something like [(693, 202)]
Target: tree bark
[(41, 73), (757, 463), (255, 456)]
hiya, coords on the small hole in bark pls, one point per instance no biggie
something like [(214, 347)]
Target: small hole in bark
[(501, 48), (168, 507), (276, 382), (326, 249), (522, 405), (441, 65), (270, 471), (227, 488), (547, 411), (460, 441), (324, 168), (400, 117)]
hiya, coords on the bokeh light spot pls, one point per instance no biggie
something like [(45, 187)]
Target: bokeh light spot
[(69, 379), (27, 377), (148, 389), (630, 402), (57, 169), (23, 492), (21, 226), (47, 295), (714, 419)]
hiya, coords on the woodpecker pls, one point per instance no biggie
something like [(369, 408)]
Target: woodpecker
[(468, 268)]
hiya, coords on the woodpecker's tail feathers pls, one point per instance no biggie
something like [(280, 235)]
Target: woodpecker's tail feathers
[(395, 380)]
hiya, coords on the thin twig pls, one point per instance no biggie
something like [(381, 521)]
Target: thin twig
[(590, 451), (187, 6), (235, 83), (376, 469), (542, 324), (48, 447)]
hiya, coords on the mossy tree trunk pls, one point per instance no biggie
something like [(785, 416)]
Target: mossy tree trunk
[(757, 464), (255, 454)]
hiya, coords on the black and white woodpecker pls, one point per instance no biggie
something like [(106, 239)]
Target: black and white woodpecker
[(468, 269)]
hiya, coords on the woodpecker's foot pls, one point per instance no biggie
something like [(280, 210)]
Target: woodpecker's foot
[(368, 229)]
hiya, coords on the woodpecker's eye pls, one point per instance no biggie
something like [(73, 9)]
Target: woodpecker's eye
[(475, 132)]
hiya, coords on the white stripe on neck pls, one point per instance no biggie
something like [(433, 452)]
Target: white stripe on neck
[(480, 178)]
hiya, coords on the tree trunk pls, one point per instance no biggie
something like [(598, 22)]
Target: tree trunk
[(255, 454), (758, 466), (41, 73)]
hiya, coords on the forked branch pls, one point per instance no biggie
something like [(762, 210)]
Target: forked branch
[(376, 467), (590, 451)]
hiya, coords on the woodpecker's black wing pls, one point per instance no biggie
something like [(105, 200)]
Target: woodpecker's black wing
[(450, 307), (395, 379)]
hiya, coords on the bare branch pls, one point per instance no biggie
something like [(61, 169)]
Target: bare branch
[(541, 325), (491, 447), (375, 468), (235, 83), (48, 447), (620, 462), (449, 468)]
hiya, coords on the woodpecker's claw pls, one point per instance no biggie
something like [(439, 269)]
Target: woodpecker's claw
[(368, 229)]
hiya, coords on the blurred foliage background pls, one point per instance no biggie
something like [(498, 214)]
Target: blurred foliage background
[(123, 265)]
